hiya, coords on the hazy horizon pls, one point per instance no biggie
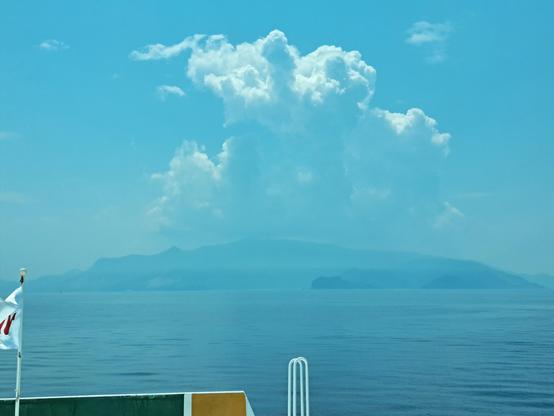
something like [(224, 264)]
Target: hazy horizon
[(288, 246)]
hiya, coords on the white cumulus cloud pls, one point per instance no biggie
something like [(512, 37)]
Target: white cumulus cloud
[(159, 51), (270, 80), (53, 45), (163, 91), (318, 161), (412, 124), (430, 36), (426, 32), (193, 177)]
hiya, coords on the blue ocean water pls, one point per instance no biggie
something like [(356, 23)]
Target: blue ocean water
[(371, 352)]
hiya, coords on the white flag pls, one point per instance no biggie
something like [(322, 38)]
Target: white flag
[(11, 314)]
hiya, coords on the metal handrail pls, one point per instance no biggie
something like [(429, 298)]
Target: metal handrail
[(303, 376)]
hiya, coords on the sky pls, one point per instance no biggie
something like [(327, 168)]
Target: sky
[(129, 127)]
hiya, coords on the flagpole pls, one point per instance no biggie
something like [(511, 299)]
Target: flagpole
[(22, 273)]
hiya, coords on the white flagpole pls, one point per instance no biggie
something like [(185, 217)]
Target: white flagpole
[(22, 273)]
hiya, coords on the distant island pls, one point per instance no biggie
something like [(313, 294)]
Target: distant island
[(279, 264)]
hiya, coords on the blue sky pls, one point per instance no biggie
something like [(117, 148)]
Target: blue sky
[(106, 152)]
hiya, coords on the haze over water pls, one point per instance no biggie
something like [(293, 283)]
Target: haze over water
[(371, 352)]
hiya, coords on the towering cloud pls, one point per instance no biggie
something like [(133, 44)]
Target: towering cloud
[(318, 162)]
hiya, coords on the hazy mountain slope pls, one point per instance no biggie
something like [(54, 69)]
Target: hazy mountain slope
[(264, 264), (545, 280), (426, 274)]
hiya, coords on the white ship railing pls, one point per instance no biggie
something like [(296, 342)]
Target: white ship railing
[(302, 376)]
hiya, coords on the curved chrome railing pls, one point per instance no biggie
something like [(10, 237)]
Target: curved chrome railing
[(303, 377)]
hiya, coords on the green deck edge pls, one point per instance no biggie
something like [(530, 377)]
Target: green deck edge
[(124, 405)]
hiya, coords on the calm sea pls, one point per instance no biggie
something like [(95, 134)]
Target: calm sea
[(371, 352)]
